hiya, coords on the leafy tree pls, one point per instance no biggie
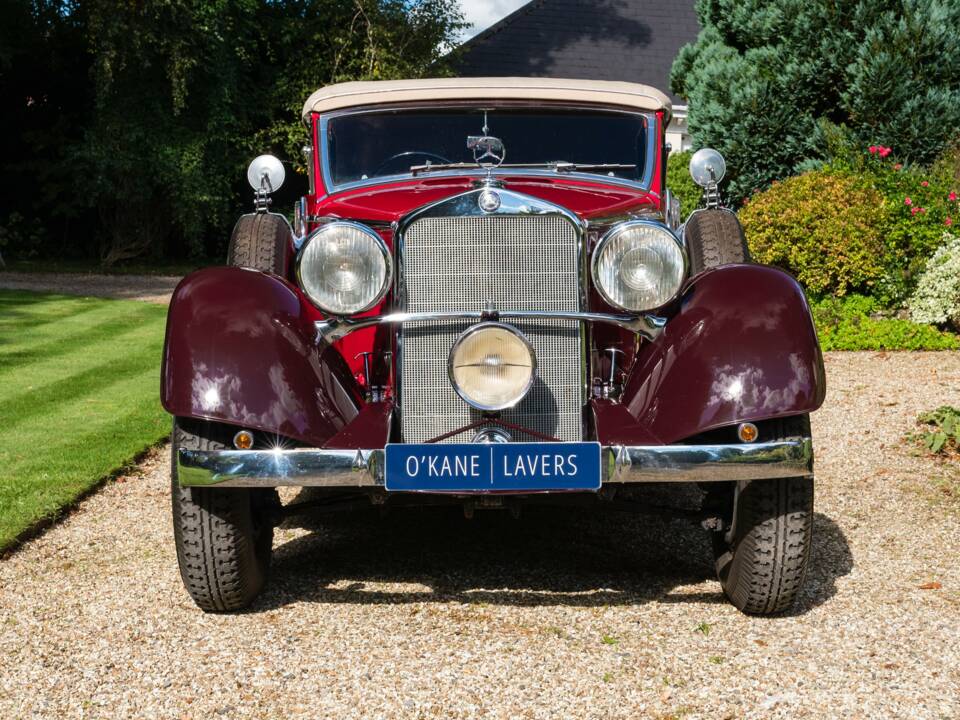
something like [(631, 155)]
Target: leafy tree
[(319, 43), (825, 228), (43, 83), (169, 99), (766, 78)]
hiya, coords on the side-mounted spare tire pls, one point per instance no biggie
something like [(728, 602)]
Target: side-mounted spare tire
[(262, 241), (714, 237)]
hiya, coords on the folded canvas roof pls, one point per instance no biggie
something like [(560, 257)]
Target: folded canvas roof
[(376, 92)]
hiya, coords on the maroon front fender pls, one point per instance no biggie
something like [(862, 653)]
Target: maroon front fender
[(742, 347), (240, 349)]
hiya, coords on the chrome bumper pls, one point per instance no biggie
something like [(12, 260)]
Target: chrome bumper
[(620, 464)]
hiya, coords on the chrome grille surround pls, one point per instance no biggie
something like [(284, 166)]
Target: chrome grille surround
[(525, 255)]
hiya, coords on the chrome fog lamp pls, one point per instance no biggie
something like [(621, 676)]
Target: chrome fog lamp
[(492, 366), (345, 268), (638, 265), (707, 167)]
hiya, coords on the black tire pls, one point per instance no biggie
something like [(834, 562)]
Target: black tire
[(714, 237), (761, 562), (223, 535), (262, 241)]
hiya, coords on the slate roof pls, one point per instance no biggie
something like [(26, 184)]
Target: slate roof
[(630, 40)]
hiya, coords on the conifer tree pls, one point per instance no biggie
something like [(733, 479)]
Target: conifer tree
[(766, 78)]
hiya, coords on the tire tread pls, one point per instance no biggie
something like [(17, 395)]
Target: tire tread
[(714, 238), (774, 534), (261, 241), (223, 563)]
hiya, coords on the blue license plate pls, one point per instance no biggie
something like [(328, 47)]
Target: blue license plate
[(503, 467)]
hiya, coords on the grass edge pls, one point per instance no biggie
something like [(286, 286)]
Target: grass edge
[(44, 523)]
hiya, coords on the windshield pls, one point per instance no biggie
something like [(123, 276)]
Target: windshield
[(375, 144)]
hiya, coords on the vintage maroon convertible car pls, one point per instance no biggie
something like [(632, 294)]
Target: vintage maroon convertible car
[(487, 298)]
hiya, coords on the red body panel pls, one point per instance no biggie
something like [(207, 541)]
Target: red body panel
[(370, 429), (240, 349), (741, 347), (391, 201)]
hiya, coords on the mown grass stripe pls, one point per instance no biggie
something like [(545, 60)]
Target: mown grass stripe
[(52, 338), (81, 356), (37, 481), (39, 314), (78, 413), (41, 401)]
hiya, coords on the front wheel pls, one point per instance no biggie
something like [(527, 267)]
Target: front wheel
[(223, 535), (762, 557)]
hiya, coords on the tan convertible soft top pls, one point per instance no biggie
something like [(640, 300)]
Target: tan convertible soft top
[(375, 92)]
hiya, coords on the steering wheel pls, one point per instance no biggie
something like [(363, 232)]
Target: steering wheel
[(407, 164)]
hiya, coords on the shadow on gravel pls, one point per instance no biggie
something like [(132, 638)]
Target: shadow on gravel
[(550, 556)]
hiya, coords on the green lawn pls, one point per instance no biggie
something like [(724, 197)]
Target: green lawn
[(79, 398)]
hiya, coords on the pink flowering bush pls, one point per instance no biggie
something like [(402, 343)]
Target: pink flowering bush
[(919, 203), (866, 221)]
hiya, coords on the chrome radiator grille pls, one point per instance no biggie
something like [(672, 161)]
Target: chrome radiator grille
[(517, 262)]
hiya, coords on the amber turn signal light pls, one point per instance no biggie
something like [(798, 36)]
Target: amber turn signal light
[(747, 432), (243, 440)]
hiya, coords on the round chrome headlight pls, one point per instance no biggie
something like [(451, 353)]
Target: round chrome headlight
[(492, 366), (638, 265), (345, 268)]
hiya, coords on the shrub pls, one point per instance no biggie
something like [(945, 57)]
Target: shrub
[(946, 168), (937, 297), (827, 229), (941, 433), (19, 238), (681, 184), (852, 323), (918, 207)]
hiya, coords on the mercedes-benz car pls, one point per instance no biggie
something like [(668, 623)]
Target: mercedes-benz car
[(488, 298)]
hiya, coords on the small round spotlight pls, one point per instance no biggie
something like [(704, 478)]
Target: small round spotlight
[(243, 440), (707, 167), (747, 432), (266, 172)]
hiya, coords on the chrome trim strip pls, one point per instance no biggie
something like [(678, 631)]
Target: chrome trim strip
[(333, 329), (504, 173), (620, 464)]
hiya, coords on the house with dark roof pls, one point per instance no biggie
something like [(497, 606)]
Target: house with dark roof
[(630, 40)]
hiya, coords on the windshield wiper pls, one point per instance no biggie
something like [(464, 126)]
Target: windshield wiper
[(559, 166)]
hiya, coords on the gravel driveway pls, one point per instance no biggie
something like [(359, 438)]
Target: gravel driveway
[(150, 288), (427, 615)]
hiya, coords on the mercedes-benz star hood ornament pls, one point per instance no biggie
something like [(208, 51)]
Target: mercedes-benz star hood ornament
[(488, 151)]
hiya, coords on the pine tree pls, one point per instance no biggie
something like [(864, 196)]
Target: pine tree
[(766, 78)]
